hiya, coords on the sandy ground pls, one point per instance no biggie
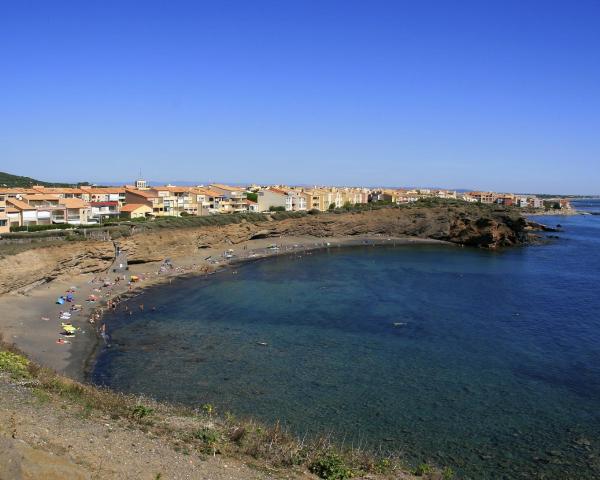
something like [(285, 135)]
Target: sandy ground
[(31, 321)]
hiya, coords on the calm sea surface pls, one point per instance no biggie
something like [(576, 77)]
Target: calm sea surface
[(485, 361)]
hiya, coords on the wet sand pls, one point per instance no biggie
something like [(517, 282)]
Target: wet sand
[(31, 321)]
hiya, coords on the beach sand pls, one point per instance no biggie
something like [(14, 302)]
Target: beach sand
[(31, 320)]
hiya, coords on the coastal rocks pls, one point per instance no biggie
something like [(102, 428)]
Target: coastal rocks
[(470, 225), (29, 268), (261, 234)]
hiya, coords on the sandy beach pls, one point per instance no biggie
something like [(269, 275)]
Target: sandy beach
[(32, 321)]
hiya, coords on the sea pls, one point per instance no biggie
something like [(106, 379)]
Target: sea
[(484, 361)]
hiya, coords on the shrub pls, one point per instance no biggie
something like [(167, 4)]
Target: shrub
[(141, 411), (331, 467), (41, 228), (207, 436), (423, 469), (447, 473), (284, 215), (276, 209), (16, 365)]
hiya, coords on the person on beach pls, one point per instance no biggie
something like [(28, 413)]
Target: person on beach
[(103, 334)]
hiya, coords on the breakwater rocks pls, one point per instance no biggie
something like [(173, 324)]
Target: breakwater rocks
[(472, 225)]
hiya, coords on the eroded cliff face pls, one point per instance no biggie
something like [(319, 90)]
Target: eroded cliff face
[(468, 226), (43, 264)]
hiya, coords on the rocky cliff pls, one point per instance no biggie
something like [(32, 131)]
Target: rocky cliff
[(468, 225)]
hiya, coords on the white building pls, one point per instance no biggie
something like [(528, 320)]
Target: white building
[(273, 198)]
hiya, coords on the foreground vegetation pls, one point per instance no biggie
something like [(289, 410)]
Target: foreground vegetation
[(204, 432)]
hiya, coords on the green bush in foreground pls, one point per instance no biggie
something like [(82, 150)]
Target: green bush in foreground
[(14, 364), (331, 467)]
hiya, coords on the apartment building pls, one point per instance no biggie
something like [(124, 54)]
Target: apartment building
[(353, 196), (506, 199), (483, 197), (272, 198), (407, 196), (233, 198), (176, 200), (104, 210), (385, 195), (315, 200), (252, 206), (207, 201), (4, 225), (62, 192), (298, 201), (104, 194), (136, 210), (535, 202), (21, 213), (149, 197)]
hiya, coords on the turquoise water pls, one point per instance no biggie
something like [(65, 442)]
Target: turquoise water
[(493, 367)]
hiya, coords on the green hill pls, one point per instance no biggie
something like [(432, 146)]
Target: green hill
[(8, 180)]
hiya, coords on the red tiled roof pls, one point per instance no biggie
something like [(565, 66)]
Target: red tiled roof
[(104, 204), (130, 207), (143, 193), (99, 190), (73, 202), (19, 204), (277, 190)]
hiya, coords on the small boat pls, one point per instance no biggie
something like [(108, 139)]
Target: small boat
[(262, 344), (399, 324)]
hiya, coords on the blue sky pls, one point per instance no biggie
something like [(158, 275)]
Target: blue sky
[(500, 95)]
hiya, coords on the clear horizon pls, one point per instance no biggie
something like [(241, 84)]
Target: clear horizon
[(154, 182), (500, 97)]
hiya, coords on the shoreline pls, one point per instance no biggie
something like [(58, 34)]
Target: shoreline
[(31, 319), (556, 213)]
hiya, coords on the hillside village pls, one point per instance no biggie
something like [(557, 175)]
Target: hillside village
[(22, 207)]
